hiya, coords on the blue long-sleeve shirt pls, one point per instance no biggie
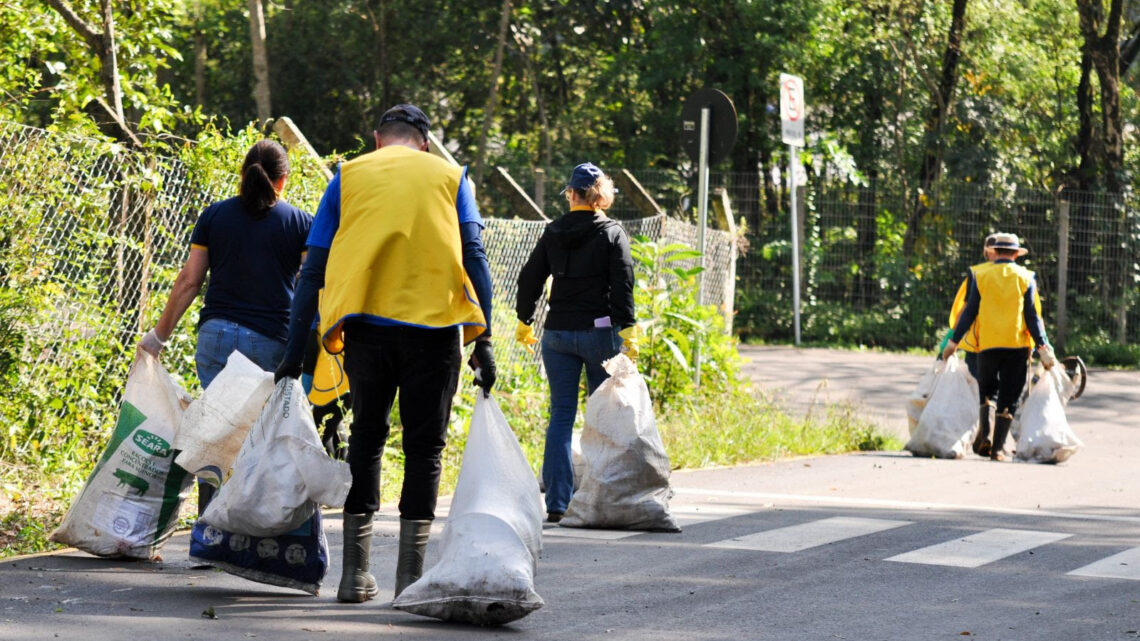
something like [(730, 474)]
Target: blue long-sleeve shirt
[(325, 225)]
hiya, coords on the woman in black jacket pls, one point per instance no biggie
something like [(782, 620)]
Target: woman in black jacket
[(591, 301)]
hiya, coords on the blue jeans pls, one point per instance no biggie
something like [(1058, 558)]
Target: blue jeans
[(564, 353), (218, 338)]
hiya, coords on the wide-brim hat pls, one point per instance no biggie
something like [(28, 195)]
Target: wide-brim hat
[(1008, 241)]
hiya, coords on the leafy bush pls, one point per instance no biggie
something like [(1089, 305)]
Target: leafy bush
[(675, 326)]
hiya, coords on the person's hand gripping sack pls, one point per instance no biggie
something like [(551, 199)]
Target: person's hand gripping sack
[(1048, 358), (286, 369), (951, 347), (631, 341), (524, 334), (152, 344), (482, 361)]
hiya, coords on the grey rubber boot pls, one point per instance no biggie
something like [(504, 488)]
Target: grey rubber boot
[(410, 561), (982, 440), (356, 582), (1001, 430)]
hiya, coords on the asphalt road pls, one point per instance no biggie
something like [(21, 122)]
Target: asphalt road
[(866, 546)]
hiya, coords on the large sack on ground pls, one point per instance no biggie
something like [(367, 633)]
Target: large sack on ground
[(1045, 435), (493, 535), (625, 483), (282, 473), (216, 424), (297, 559), (917, 400), (948, 422), (130, 503)]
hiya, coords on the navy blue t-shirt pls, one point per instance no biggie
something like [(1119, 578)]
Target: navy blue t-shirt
[(253, 264)]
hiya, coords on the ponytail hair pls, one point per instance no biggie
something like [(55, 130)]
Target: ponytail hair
[(265, 163), (600, 195)]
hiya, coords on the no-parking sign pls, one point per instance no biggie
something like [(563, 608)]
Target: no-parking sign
[(792, 109)]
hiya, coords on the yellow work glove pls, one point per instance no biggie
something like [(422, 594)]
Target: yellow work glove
[(631, 341), (525, 334)]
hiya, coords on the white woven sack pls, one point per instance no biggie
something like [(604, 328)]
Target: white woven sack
[(1045, 435), (625, 484), (282, 473), (215, 425), (130, 503), (950, 419), (917, 400), (493, 536)]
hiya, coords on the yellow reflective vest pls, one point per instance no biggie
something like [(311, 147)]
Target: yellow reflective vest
[(397, 254), (1001, 313)]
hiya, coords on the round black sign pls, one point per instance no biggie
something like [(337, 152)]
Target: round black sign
[(722, 124)]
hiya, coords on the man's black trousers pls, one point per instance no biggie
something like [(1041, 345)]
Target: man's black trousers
[(1001, 376), (423, 364)]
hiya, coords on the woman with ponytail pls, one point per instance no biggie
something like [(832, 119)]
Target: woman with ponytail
[(251, 246)]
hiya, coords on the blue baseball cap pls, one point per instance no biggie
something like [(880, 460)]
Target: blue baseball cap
[(410, 114), (584, 176)]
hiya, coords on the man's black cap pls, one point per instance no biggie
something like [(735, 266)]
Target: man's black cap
[(410, 114)]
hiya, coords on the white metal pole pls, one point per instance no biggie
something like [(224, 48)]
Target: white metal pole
[(795, 241), (703, 209)]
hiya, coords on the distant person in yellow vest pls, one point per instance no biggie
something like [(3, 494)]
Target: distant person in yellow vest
[(1002, 297), (397, 246)]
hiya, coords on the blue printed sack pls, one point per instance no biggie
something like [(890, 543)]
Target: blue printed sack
[(298, 559)]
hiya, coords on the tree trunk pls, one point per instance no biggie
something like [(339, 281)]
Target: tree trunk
[(261, 94), (489, 111), (867, 287), (940, 105), (199, 67)]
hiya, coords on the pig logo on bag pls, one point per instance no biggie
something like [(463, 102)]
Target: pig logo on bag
[(212, 535), (152, 444), (239, 542), (267, 548), (295, 554)]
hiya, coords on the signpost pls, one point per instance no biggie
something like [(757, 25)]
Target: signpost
[(792, 133), (708, 130)]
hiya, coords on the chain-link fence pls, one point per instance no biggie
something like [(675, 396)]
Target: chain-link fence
[(92, 239), (862, 284)]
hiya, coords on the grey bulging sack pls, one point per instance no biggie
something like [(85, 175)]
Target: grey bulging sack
[(625, 483), (493, 535), (947, 424)]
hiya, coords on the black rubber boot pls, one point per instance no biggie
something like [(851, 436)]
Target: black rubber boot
[(410, 560), (356, 582), (1001, 430), (982, 439), (205, 495)]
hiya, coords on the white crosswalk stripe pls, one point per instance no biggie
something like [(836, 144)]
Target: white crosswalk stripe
[(808, 535), (979, 549), (971, 551), (694, 514), (1125, 565)]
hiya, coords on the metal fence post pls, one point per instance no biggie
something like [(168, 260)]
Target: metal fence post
[(1062, 272), (540, 188), (722, 206)]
